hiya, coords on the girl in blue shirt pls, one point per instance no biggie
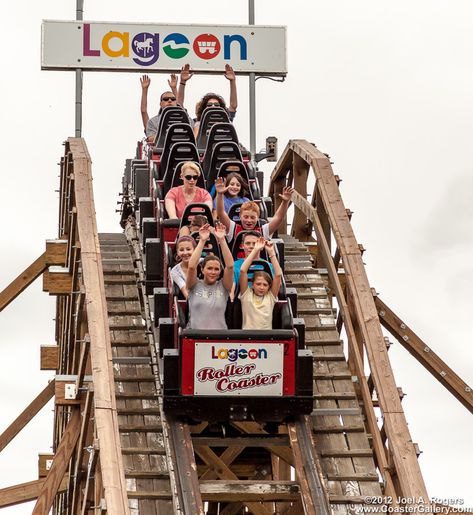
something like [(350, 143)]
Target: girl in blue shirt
[(236, 189)]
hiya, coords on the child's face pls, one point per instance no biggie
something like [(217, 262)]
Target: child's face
[(260, 286), (249, 244), (184, 251), (248, 219), (234, 187)]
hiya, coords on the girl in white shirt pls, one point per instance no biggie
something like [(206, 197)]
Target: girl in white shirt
[(185, 246), (257, 301)]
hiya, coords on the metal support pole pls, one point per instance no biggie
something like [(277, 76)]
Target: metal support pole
[(252, 91), (78, 110)]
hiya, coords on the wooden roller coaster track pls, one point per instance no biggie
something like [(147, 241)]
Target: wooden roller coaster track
[(116, 452)]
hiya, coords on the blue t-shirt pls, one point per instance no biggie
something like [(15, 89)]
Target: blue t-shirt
[(229, 201), (237, 267)]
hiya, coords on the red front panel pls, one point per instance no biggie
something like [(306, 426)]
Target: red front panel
[(238, 371)]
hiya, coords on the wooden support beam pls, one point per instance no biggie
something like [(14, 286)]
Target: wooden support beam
[(22, 281), (59, 466), (79, 458), (249, 491), (25, 492), (284, 453), (425, 355), (223, 472), (49, 357), (105, 412), (362, 304), (26, 415)]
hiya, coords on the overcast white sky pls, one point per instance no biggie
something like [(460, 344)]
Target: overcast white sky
[(384, 87)]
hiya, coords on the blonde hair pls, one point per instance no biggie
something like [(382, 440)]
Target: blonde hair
[(190, 164)]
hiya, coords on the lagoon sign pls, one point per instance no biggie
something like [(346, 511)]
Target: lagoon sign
[(103, 46)]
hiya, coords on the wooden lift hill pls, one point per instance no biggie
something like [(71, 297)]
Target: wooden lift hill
[(114, 449)]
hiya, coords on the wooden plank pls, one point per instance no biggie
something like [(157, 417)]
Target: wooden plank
[(22, 281), (56, 252), (45, 460), (106, 418), (49, 357), (25, 492), (57, 281), (59, 466), (425, 355), (26, 415), (248, 491)]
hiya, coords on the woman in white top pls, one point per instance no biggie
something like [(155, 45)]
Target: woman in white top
[(208, 297), (257, 301)]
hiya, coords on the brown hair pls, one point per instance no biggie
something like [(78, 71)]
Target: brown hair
[(250, 206), (199, 220), (264, 275), (210, 257), (183, 239), (244, 185)]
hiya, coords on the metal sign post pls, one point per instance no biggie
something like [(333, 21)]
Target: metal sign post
[(79, 76), (252, 92)]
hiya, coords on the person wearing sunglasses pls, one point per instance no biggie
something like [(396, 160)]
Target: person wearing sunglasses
[(179, 197), (211, 99), (168, 98)]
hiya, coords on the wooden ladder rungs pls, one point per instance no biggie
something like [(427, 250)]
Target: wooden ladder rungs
[(138, 411), (346, 453), (329, 357), (339, 429), (134, 379), (335, 395), (136, 395), (146, 474), (135, 428), (332, 375), (353, 477), (321, 343), (348, 499), (143, 450), (154, 495)]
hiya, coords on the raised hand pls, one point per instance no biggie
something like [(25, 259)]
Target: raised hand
[(220, 186), (186, 73), (172, 81), (229, 73), (145, 81), (219, 230), (260, 244), (286, 193), (269, 246), (204, 232)]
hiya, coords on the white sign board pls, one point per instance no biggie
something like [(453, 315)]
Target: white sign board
[(232, 369), (146, 47)]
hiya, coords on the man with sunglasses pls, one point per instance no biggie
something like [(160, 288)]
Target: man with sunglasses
[(168, 98)]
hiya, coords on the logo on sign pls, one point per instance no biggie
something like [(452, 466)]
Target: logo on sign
[(235, 354), (145, 46)]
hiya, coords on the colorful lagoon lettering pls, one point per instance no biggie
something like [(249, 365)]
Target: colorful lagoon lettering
[(145, 46)]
